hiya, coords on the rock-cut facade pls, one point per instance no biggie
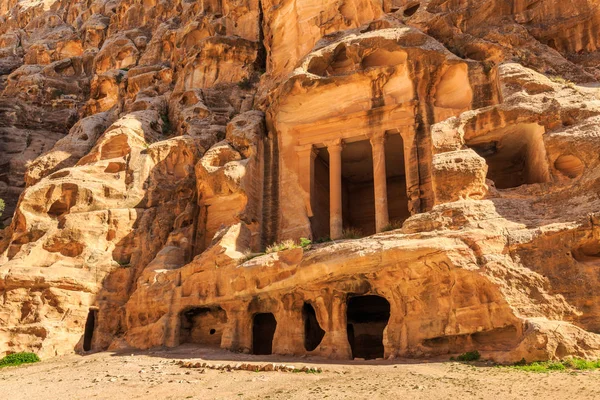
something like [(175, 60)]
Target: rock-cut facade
[(345, 179)]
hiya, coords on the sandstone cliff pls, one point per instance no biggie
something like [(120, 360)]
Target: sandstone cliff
[(150, 151)]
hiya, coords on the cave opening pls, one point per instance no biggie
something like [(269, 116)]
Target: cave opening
[(515, 156), (367, 317), (313, 333), (588, 252), (202, 325), (411, 9), (58, 208), (90, 326), (263, 330)]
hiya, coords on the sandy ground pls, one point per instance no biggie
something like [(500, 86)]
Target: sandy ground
[(155, 375)]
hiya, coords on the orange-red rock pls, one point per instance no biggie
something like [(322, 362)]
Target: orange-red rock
[(152, 151)]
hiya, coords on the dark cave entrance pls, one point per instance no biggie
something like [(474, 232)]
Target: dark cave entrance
[(202, 325), (515, 155), (411, 9), (90, 326), (358, 197), (367, 317), (263, 330), (313, 334)]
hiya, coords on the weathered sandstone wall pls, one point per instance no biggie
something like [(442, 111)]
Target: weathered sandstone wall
[(151, 150)]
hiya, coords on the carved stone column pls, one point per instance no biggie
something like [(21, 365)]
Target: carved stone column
[(334, 148), (380, 182), (306, 173), (237, 334)]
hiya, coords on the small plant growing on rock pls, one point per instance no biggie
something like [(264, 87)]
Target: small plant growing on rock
[(305, 243), (562, 81), (249, 255), (18, 359), (392, 226), (323, 239), (352, 233), (285, 245), (558, 79), (288, 245)]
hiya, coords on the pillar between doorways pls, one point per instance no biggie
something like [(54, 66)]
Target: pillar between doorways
[(334, 148), (306, 173), (380, 181)]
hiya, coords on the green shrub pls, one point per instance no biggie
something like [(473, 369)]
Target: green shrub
[(556, 366), (541, 366), (581, 364), (305, 243), (564, 365), (533, 367), (469, 356), (18, 359)]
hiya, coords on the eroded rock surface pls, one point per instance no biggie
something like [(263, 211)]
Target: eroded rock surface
[(151, 152)]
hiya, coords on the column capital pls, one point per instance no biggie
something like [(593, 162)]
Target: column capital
[(377, 138), (334, 144)]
